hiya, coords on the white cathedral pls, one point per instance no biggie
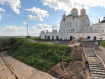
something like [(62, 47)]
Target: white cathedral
[(74, 26)]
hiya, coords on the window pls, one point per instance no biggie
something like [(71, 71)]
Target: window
[(67, 24), (83, 20), (76, 24), (70, 24)]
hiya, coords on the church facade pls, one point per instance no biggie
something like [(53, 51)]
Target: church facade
[(74, 26)]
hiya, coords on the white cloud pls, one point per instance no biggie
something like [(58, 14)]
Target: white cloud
[(0, 16), (40, 13), (67, 5), (1, 9), (31, 17), (15, 4), (33, 28), (43, 26), (12, 28), (91, 21), (56, 24), (23, 22)]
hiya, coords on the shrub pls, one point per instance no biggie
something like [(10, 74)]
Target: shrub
[(103, 44), (12, 40)]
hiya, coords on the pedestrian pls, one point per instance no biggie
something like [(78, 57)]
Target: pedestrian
[(82, 42), (96, 43), (71, 42)]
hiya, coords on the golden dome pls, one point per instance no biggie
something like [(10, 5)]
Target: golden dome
[(82, 9), (74, 9)]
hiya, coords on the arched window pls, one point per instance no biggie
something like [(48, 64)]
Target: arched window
[(83, 20)]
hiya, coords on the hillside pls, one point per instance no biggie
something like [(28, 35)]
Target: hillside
[(39, 55)]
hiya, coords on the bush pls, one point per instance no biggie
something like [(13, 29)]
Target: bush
[(103, 44), (1, 46), (39, 55), (28, 36), (12, 40)]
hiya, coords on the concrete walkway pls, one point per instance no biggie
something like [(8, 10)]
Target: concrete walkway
[(5, 72), (24, 71)]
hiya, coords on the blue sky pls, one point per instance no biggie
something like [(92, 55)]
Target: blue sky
[(42, 14)]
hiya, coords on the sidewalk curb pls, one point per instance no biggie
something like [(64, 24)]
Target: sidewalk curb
[(8, 66)]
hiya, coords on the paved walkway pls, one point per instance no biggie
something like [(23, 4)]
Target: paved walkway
[(5, 72), (24, 71), (52, 42)]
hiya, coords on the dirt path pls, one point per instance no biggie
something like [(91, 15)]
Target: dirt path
[(24, 71)]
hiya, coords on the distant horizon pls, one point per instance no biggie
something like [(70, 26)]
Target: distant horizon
[(18, 36)]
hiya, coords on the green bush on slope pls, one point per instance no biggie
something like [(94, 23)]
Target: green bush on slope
[(103, 44), (39, 55)]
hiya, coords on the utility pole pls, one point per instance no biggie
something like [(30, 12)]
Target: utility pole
[(27, 29)]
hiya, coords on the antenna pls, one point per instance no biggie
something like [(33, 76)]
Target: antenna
[(27, 29)]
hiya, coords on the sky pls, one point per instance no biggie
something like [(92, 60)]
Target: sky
[(39, 15)]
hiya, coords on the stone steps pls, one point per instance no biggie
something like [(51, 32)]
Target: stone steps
[(96, 68)]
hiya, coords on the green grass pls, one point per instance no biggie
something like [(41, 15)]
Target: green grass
[(103, 44), (39, 55)]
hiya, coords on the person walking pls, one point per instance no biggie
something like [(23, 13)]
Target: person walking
[(96, 43), (82, 42), (71, 42)]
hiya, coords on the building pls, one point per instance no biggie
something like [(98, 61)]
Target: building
[(74, 26)]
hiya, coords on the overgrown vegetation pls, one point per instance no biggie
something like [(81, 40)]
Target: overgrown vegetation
[(39, 55), (103, 44), (4, 43)]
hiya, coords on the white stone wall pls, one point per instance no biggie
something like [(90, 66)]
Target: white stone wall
[(66, 36)]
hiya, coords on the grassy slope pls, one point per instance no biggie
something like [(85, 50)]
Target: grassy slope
[(39, 55)]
